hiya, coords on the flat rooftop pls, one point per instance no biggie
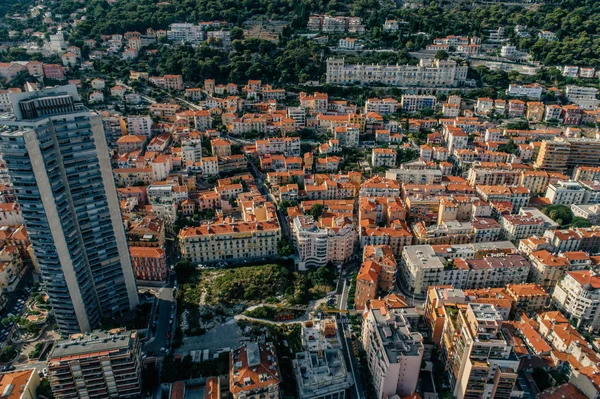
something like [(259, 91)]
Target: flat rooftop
[(94, 342)]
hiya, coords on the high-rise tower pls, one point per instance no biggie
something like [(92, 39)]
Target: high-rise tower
[(57, 158)]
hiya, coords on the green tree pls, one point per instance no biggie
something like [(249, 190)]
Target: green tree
[(284, 248), (184, 270), (442, 55), (580, 222), (316, 211), (561, 214), (44, 390)]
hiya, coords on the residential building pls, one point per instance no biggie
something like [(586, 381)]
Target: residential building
[(215, 242), (480, 361), (149, 263), (528, 298), (220, 147), (590, 212), (516, 227), (317, 243), (585, 97), (532, 91), (577, 295), (377, 274), (103, 364), (394, 352), (347, 135), (565, 193), (69, 203), (547, 269), (383, 106), (137, 125), (428, 73), (289, 146), (383, 157), (320, 368), (535, 111), (19, 384), (413, 102), (254, 371)]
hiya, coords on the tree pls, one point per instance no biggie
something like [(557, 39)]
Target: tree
[(509, 148), (561, 214), (44, 390), (442, 55), (580, 222), (284, 248), (316, 211), (184, 270)]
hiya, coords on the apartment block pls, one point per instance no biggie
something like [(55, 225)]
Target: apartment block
[(88, 285), (578, 296), (215, 242), (383, 106), (413, 103), (289, 146), (320, 368), (566, 193), (383, 157), (377, 274), (479, 359), (427, 74), (317, 243), (101, 364), (394, 352)]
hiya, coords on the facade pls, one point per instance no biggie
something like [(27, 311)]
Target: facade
[(480, 362), (565, 193), (383, 157), (578, 296), (394, 352), (426, 74), (253, 372), (320, 369), (149, 263), (222, 242), (413, 102), (317, 244), (102, 364), (58, 160)]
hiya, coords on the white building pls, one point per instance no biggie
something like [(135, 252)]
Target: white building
[(394, 352), (591, 212), (317, 244), (383, 157), (532, 91), (381, 106), (578, 296), (585, 97), (427, 74), (413, 102), (320, 368), (565, 193), (139, 125), (185, 32)]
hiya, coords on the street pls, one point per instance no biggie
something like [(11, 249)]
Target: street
[(342, 324), (160, 318)]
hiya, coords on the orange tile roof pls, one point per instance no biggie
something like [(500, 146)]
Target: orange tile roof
[(18, 380)]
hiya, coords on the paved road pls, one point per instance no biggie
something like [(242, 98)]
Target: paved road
[(356, 392), (164, 311)]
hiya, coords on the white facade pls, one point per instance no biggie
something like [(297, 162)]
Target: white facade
[(139, 125), (394, 352), (426, 74), (578, 296), (565, 193)]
